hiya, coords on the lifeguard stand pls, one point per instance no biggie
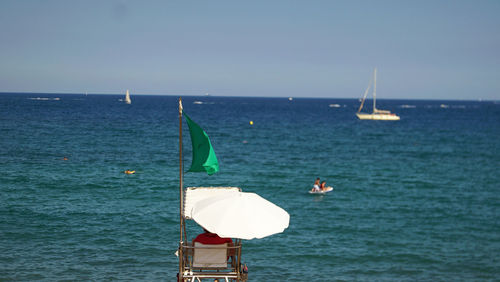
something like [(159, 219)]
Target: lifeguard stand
[(200, 261)]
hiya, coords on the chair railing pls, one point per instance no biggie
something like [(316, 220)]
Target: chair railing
[(229, 268)]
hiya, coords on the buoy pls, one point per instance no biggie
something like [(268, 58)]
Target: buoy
[(251, 122)]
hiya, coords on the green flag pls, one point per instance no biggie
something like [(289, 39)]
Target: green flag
[(204, 158)]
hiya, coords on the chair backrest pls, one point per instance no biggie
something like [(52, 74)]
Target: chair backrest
[(209, 256)]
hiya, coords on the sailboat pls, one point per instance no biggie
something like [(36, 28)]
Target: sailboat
[(127, 98), (377, 114)]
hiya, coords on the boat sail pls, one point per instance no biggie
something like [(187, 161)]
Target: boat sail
[(377, 114), (127, 98)]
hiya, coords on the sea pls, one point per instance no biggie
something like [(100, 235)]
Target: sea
[(413, 200)]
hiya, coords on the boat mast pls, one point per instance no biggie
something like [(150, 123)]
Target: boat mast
[(374, 90)]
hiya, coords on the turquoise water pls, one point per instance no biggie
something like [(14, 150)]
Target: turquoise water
[(416, 199)]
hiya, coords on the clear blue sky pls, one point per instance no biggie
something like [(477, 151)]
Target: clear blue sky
[(422, 49)]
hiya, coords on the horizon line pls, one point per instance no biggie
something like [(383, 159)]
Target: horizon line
[(242, 96)]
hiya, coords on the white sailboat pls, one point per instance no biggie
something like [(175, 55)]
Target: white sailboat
[(127, 98), (377, 114)]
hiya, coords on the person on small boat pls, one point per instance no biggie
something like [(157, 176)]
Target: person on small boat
[(322, 186), (316, 187)]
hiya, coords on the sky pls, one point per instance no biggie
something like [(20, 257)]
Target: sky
[(429, 49)]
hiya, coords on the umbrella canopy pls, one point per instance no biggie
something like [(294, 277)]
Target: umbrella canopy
[(240, 215)]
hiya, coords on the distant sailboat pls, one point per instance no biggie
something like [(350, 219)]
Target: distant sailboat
[(377, 114), (127, 98)]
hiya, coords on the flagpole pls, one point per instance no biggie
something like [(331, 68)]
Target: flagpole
[(181, 198)]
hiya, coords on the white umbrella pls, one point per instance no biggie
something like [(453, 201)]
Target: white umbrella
[(240, 215)]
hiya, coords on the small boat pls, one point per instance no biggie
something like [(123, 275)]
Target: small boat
[(327, 189), (377, 114), (127, 98)]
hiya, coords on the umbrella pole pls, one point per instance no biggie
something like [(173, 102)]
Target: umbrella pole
[(181, 197)]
